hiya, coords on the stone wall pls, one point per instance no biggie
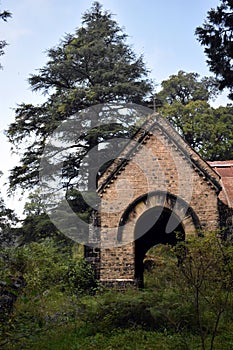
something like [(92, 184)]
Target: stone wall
[(161, 164)]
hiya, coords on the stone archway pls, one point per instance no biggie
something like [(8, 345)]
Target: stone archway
[(154, 221), (120, 264), (179, 209), (145, 223)]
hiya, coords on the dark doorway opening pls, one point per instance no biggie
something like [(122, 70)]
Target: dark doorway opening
[(151, 230)]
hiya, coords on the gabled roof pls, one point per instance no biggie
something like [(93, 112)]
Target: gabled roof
[(225, 170), (142, 136)]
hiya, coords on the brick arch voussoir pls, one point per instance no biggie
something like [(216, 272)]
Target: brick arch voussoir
[(164, 200)]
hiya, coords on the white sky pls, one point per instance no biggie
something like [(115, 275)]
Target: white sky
[(163, 31)]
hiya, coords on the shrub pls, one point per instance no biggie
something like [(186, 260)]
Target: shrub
[(81, 277)]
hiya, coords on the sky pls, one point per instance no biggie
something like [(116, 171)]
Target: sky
[(163, 31)]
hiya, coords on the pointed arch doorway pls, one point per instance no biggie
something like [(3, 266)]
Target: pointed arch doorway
[(151, 229)]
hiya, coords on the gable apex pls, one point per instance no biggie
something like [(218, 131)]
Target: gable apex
[(142, 136)]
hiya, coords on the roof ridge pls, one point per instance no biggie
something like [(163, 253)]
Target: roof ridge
[(144, 133)]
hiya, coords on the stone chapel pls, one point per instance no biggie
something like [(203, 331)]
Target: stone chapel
[(158, 189)]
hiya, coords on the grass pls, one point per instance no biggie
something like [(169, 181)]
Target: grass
[(72, 338), (59, 321), (160, 317)]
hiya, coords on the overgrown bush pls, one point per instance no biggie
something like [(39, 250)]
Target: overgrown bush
[(52, 280), (44, 265), (80, 277), (184, 299), (131, 313), (196, 289)]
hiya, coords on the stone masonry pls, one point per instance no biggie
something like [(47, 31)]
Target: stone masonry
[(157, 173)]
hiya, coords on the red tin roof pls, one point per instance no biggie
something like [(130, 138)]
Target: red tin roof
[(225, 170)]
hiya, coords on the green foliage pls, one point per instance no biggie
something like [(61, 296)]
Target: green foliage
[(186, 87), (207, 271), (50, 281), (160, 276), (209, 131), (7, 221), (39, 264), (68, 337), (92, 66), (37, 226), (184, 100), (202, 278), (47, 264), (114, 310), (81, 277), (55, 310), (216, 36)]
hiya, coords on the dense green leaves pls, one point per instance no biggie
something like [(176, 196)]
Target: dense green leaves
[(183, 306), (37, 226), (185, 87), (208, 273), (185, 103), (216, 35), (7, 219), (209, 131), (92, 66)]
